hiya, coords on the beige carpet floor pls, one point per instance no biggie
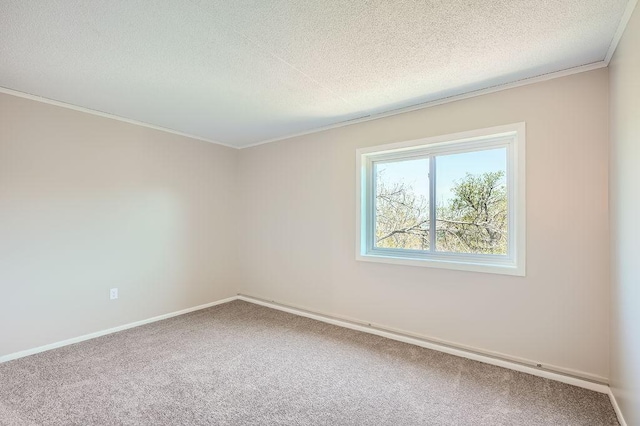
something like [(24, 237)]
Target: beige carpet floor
[(242, 364)]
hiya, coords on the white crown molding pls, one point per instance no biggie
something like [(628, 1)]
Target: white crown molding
[(467, 95), (480, 92), (626, 16), (106, 115)]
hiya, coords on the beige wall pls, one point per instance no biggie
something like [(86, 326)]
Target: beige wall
[(88, 203), (625, 229), (297, 210)]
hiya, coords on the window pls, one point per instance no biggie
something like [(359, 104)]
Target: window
[(455, 201)]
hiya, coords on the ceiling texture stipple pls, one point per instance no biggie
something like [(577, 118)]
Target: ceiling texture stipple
[(241, 72)]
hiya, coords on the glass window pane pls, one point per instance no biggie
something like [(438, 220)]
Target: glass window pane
[(471, 202), (402, 204)]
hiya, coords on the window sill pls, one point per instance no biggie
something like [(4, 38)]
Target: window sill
[(501, 269)]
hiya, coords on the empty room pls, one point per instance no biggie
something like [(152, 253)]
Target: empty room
[(320, 212)]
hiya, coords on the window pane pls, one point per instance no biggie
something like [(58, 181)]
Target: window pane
[(402, 204), (471, 202)]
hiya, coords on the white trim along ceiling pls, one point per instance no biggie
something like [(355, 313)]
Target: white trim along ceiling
[(243, 73)]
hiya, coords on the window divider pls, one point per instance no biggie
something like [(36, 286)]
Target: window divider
[(432, 203)]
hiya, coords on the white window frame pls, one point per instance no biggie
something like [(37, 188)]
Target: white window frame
[(511, 137)]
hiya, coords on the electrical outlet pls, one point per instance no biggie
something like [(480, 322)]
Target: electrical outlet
[(113, 293)]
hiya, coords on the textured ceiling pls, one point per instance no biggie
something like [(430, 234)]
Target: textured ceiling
[(240, 72)]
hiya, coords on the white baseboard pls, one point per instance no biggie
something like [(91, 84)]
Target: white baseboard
[(474, 355), (575, 381), (616, 408), (78, 339)]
